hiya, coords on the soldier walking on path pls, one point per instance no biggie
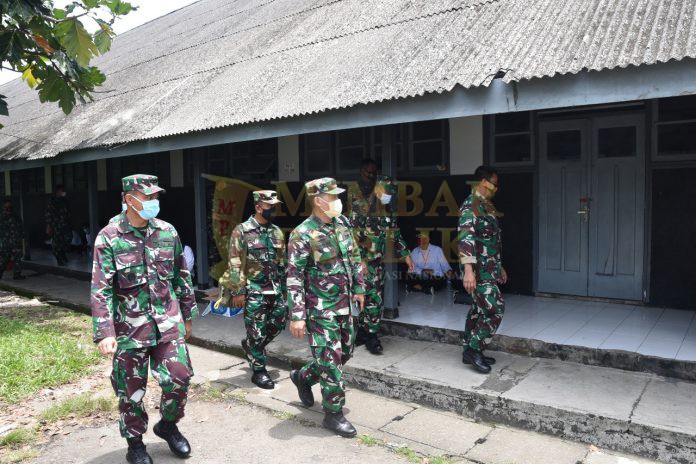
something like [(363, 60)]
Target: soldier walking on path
[(374, 225), (142, 304), (324, 280), (255, 280), (11, 234), (58, 224), (479, 255)]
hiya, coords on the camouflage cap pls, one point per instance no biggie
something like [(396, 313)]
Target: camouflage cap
[(323, 185), (387, 183), (266, 196), (143, 183)]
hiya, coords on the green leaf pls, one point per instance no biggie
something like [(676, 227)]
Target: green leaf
[(28, 77), (76, 40), (59, 13), (3, 106), (11, 49), (54, 88), (102, 39), (91, 3), (118, 7)]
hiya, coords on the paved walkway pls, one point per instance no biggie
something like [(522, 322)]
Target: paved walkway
[(636, 412), (261, 426)]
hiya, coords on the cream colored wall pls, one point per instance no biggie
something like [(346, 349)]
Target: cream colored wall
[(289, 158)]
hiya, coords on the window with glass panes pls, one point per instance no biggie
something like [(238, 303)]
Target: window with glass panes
[(674, 128), (156, 164), (511, 142), (71, 176), (33, 180), (419, 147)]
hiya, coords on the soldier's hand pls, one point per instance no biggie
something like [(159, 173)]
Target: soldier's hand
[(360, 299), (469, 280), (298, 329), (107, 346), (238, 301), (188, 325), (364, 269), (503, 276)]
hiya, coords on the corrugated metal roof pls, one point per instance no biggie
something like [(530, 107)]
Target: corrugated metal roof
[(221, 63)]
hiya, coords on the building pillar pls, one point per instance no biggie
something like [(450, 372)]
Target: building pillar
[(202, 277), (466, 144), (8, 183), (289, 158), (22, 210), (176, 168), (102, 176), (391, 281), (48, 180), (92, 198)]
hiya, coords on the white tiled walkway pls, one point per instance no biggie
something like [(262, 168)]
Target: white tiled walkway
[(666, 333)]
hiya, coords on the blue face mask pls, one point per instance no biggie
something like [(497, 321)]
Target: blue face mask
[(124, 207), (150, 209)]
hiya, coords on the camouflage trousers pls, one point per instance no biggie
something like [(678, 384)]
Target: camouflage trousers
[(264, 319), (331, 339), (170, 365), (15, 255), (484, 317), (371, 315), (60, 243)]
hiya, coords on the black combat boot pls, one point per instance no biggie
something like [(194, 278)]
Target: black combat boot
[(475, 358), (488, 360), (360, 336), (304, 391), (336, 422), (262, 380), (137, 454), (373, 344), (169, 432)]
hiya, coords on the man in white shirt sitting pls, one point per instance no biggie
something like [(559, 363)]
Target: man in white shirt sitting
[(432, 271)]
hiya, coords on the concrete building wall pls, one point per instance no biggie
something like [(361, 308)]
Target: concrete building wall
[(466, 144), (176, 167)]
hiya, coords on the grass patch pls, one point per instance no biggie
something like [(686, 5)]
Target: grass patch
[(368, 440), (409, 454), (19, 455), (83, 405), (18, 437), (42, 347), (282, 415), (439, 460)]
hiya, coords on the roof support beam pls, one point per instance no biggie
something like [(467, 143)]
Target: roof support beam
[(585, 88)]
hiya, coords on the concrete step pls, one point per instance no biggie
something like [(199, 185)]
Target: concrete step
[(639, 413), (616, 359)]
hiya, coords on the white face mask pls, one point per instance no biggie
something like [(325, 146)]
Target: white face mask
[(385, 199), (335, 208), (124, 207)]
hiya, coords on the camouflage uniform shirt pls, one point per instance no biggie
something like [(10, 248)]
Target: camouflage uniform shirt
[(58, 214), (10, 231), (373, 225), (257, 260), (479, 237), (141, 290), (324, 268)]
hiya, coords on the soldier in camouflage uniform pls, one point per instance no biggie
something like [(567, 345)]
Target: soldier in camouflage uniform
[(324, 280), (374, 225), (142, 304), (11, 234), (58, 224), (255, 279), (480, 244)]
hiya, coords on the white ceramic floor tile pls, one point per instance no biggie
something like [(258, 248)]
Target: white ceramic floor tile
[(622, 342), (588, 338), (676, 317), (660, 347)]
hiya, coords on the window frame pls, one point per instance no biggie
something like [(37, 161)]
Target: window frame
[(654, 132), (492, 143), (444, 155)]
